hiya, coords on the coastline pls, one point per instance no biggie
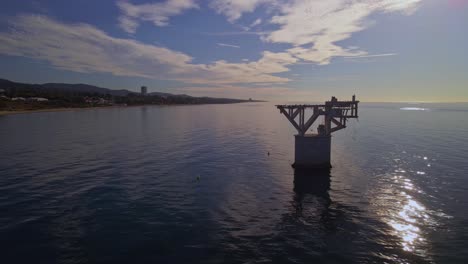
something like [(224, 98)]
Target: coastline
[(63, 109)]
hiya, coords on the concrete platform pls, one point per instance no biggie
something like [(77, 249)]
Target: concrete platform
[(312, 151)]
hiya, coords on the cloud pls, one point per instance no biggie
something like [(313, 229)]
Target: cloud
[(314, 28), (233, 9), (372, 56), (236, 33), (84, 48), (405, 6), (158, 13), (227, 45), (257, 22), (261, 71), (127, 24)]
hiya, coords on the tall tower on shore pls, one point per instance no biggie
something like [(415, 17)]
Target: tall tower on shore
[(144, 90)]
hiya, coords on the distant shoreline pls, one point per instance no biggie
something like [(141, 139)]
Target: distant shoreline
[(64, 109)]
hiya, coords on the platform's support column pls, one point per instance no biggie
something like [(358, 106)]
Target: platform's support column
[(312, 151)]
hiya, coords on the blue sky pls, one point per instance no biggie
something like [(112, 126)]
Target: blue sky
[(302, 50)]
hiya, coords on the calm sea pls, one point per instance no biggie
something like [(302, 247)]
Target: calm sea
[(195, 184)]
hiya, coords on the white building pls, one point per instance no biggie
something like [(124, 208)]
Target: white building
[(38, 99)]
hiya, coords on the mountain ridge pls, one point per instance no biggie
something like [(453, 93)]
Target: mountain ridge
[(82, 88)]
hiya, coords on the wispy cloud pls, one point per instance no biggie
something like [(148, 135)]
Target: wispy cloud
[(227, 45), (313, 31), (372, 56), (233, 9), (158, 13), (257, 22), (128, 24), (84, 48), (235, 33), (315, 27)]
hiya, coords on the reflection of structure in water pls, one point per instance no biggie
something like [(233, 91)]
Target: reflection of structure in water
[(332, 229), (313, 184), (322, 225), (316, 182)]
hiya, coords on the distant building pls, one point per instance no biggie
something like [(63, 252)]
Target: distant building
[(37, 99), (97, 101), (144, 90)]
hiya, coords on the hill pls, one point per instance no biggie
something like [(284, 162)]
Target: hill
[(85, 95)]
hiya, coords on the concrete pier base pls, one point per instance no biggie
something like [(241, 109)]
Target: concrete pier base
[(312, 151)]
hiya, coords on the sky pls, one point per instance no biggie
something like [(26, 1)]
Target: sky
[(296, 50)]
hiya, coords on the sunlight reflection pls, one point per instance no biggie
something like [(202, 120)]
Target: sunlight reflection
[(405, 215), (405, 226), (414, 109), (408, 186), (405, 221)]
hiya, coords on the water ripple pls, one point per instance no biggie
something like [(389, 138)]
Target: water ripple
[(211, 184)]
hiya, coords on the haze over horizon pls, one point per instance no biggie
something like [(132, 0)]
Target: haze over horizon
[(381, 50)]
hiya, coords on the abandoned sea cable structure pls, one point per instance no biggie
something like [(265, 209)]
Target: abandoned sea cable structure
[(313, 150)]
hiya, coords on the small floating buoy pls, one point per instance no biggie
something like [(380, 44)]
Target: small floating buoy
[(268, 153), (198, 178)]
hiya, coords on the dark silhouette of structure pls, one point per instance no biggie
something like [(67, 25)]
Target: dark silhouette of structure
[(313, 150)]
